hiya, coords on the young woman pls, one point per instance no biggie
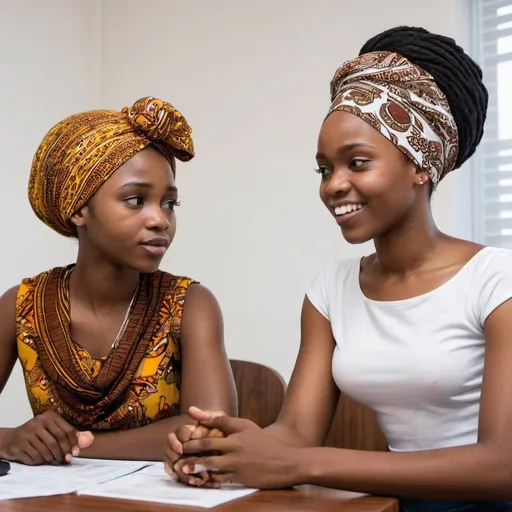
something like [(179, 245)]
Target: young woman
[(420, 330), (113, 350)]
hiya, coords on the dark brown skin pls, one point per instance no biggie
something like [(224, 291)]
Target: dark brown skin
[(412, 257), (110, 258)]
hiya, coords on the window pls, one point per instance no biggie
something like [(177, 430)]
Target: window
[(492, 168)]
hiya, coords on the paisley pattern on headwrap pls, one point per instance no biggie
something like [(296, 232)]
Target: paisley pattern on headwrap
[(83, 151), (404, 104)]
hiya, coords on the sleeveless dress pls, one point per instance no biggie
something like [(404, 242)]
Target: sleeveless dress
[(136, 384)]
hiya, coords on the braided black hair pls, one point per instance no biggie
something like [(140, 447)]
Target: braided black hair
[(455, 73)]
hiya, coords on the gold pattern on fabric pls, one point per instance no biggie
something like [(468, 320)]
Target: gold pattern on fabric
[(137, 383), (81, 152)]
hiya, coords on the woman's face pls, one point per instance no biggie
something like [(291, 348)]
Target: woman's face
[(131, 219), (369, 186)]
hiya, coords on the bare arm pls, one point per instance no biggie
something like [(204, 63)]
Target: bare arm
[(207, 381), (312, 395), (479, 471), (8, 351)]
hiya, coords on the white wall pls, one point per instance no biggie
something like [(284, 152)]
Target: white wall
[(253, 79), (49, 53)]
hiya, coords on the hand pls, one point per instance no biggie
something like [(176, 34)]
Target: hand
[(45, 439), (174, 447), (248, 455)]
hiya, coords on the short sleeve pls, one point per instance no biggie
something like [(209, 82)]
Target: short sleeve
[(318, 292), (494, 284)]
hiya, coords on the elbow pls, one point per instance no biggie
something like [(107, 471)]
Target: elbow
[(503, 480), (499, 475)]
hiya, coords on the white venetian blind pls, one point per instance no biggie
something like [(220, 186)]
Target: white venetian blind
[(492, 45)]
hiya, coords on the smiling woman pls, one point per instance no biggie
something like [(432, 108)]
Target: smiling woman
[(419, 330), (110, 345)]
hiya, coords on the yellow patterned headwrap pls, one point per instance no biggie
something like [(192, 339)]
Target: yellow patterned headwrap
[(83, 151)]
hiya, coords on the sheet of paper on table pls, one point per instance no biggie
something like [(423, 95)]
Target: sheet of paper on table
[(33, 481), (152, 484)]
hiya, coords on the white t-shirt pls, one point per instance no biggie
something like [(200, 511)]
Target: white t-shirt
[(418, 363)]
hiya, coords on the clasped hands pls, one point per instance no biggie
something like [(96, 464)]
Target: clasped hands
[(229, 450)]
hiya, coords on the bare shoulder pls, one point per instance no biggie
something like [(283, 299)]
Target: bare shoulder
[(8, 304), (201, 312), (459, 251), (8, 316), (200, 297)]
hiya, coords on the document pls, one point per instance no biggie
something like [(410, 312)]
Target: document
[(153, 484), (32, 481)]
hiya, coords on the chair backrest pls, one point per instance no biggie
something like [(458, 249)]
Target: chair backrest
[(355, 427), (260, 392)]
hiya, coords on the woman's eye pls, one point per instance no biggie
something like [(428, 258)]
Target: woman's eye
[(172, 204), (135, 201), (323, 171), (358, 163)]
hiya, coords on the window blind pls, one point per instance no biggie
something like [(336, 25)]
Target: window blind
[(492, 166)]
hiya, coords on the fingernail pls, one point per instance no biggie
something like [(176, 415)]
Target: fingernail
[(186, 470), (75, 451), (68, 458), (216, 486)]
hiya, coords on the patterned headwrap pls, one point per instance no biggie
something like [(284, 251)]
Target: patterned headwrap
[(83, 151), (402, 102)]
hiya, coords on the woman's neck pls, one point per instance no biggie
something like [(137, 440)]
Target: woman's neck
[(101, 284), (410, 246)]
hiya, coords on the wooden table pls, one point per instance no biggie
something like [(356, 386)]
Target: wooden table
[(302, 498)]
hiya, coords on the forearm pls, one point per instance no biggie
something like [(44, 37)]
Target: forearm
[(143, 443), (3, 433), (288, 435), (463, 473)]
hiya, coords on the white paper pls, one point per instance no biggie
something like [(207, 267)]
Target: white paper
[(32, 481), (153, 484)]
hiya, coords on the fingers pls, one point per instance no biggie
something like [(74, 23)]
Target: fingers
[(176, 439), (66, 434), (208, 444), (194, 465), (229, 425), (52, 445), (215, 432), (30, 456), (222, 478), (201, 431), (38, 451), (171, 455), (196, 480), (175, 445), (201, 415)]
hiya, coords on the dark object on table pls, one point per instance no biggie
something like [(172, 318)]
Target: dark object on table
[(4, 467)]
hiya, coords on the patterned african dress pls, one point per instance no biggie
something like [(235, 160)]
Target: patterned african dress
[(136, 384)]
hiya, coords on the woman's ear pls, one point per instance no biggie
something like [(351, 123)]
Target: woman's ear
[(80, 217), (421, 178)]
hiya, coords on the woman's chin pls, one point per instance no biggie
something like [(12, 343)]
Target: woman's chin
[(355, 237)]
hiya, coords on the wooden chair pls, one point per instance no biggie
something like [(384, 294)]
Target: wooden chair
[(355, 427), (260, 392)]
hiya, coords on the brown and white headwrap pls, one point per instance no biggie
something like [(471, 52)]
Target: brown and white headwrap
[(402, 102)]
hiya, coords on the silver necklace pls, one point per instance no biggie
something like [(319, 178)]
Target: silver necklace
[(122, 329)]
